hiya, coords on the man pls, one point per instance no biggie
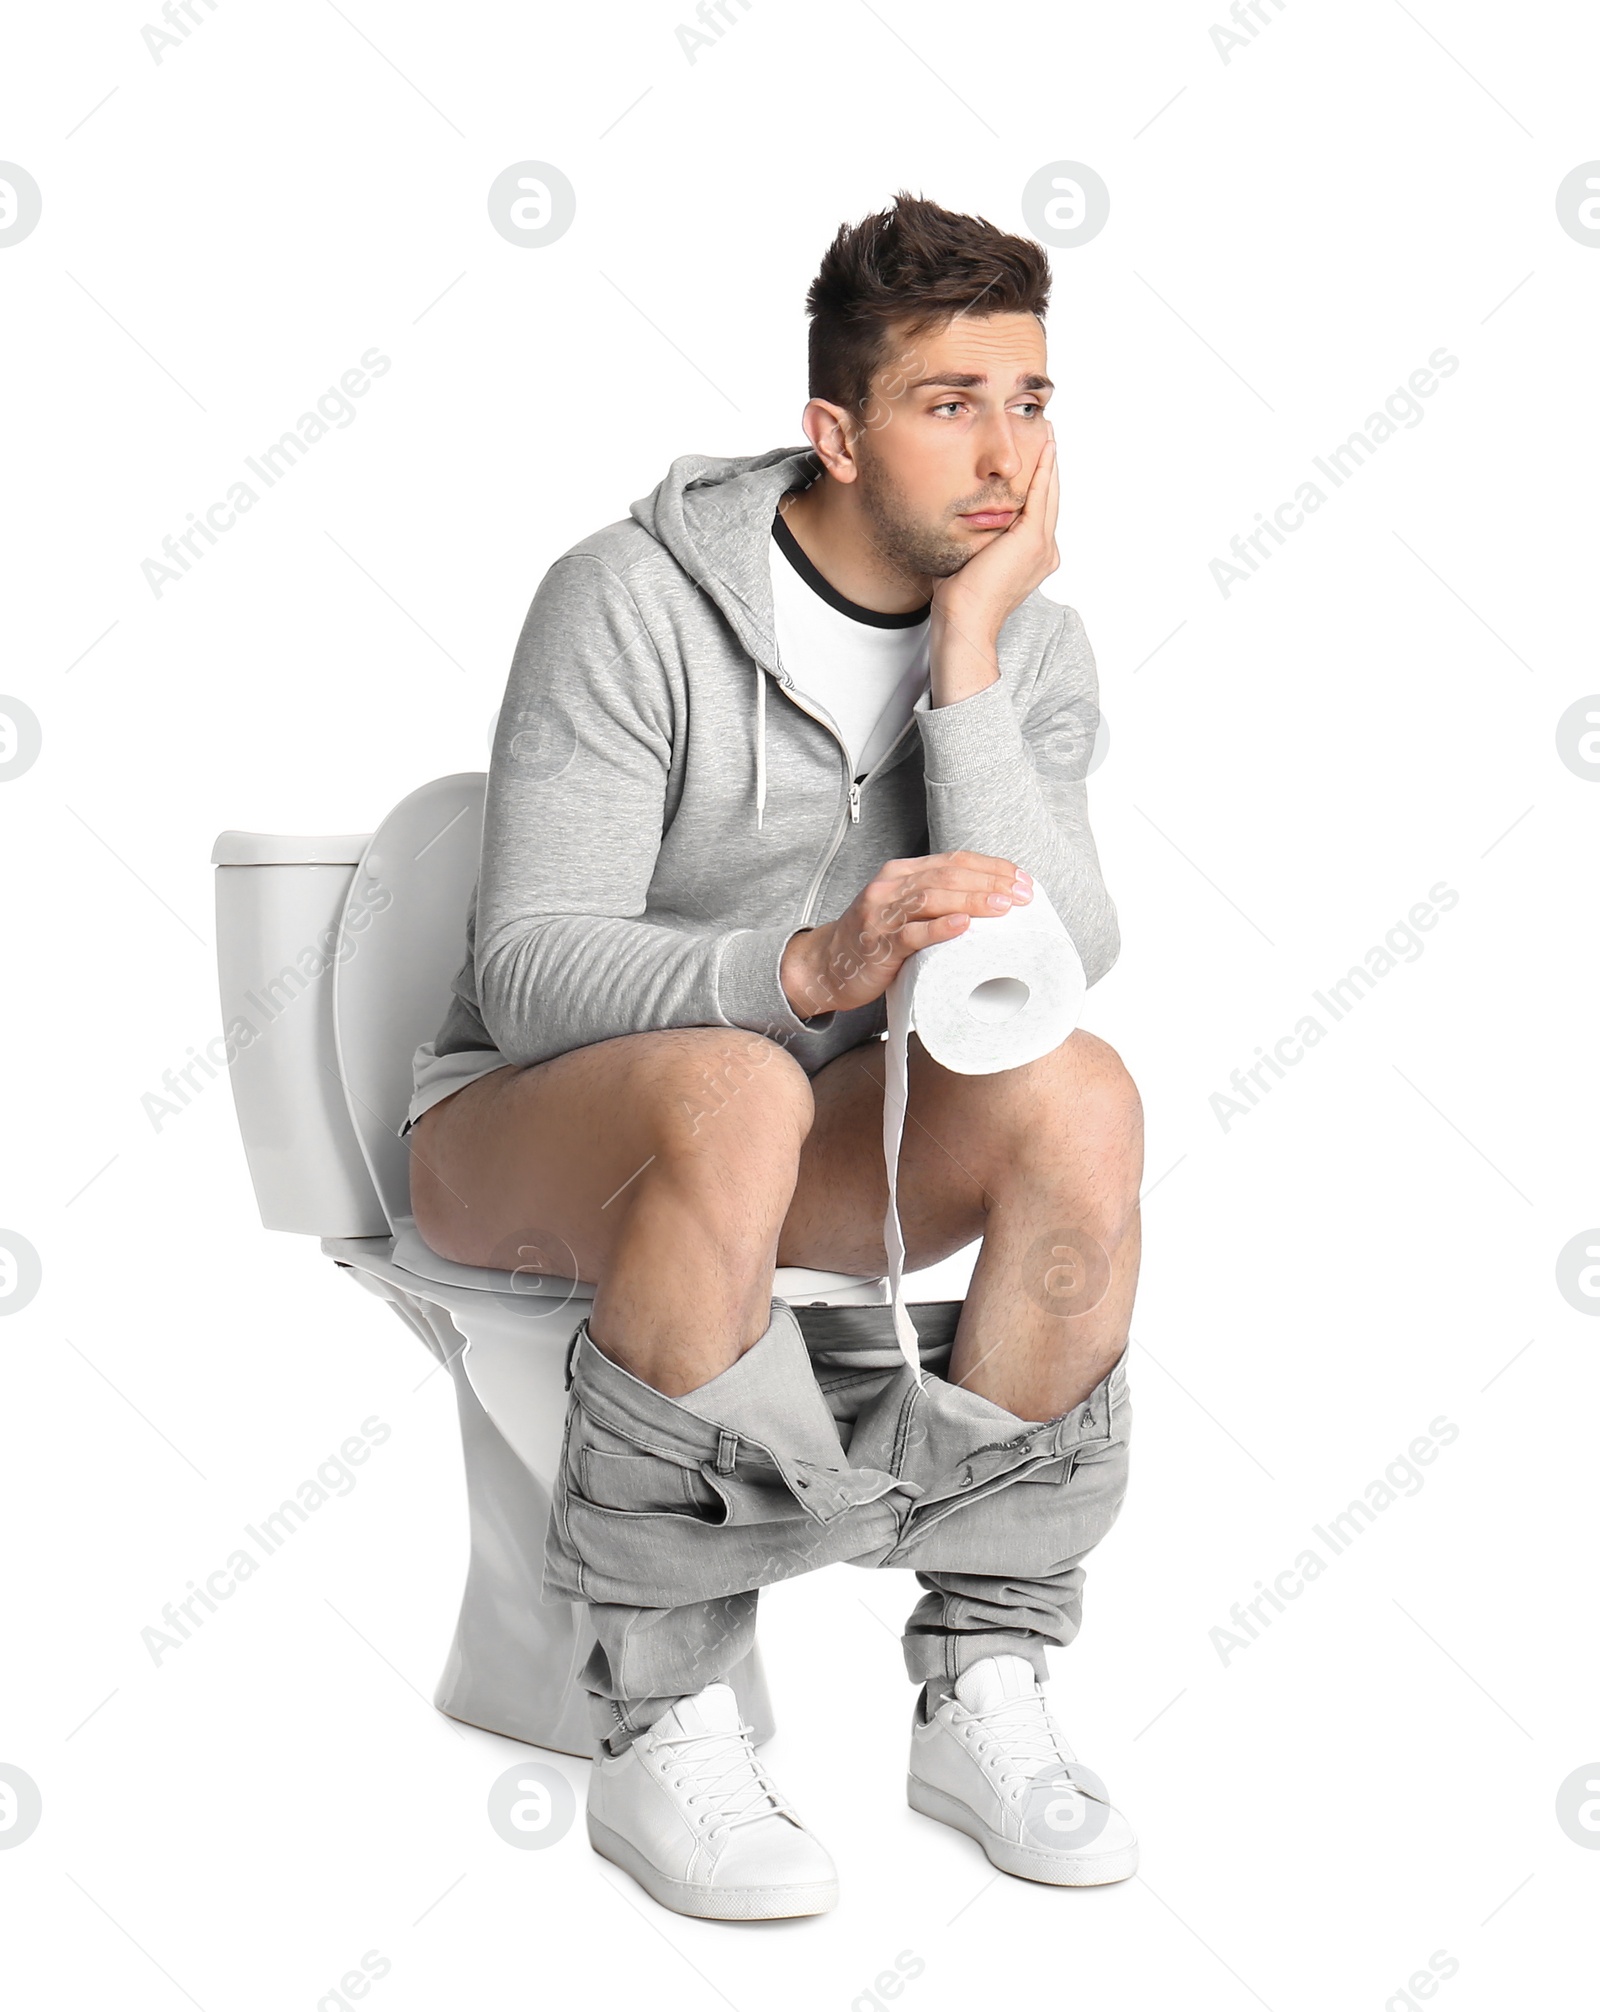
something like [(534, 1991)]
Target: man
[(796, 718)]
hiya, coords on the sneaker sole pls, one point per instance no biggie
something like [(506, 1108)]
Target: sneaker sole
[(1025, 1861), (712, 1903)]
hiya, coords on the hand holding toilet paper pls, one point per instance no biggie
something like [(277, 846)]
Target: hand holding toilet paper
[(1006, 991)]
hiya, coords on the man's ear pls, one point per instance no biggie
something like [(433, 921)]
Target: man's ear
[(829, 429)]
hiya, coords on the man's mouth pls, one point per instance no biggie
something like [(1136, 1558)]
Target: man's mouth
[(987, 520)]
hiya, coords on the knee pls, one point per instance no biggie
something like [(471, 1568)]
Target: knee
[(731, 1099), (1080, 1107), (1099, 1093), (1085, 1089)]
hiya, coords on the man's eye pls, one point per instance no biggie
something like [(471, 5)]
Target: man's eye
[(948, 405), (1032, 408)]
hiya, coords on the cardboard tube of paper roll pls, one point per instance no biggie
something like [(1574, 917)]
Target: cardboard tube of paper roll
[(1006, 991)]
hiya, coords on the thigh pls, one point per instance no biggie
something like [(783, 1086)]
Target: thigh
[(835, 1221), (530, 1165)]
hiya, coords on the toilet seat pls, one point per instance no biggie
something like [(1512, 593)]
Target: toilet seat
[(796, 1283), (411, 1254)]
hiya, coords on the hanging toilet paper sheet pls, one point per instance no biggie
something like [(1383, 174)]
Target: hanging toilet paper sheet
[(1006, 991)]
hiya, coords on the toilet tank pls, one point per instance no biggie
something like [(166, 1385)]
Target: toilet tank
[(279, 901)]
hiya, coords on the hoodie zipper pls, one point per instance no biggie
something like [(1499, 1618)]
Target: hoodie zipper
[(851, 814)]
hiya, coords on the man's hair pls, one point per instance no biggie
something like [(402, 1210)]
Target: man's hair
[(902, 272)]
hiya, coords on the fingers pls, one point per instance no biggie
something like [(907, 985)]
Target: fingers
[(915, 936), (910, 904), (1043, 504), (920, 889), (1037, 502), (918, 904), (991, 864), (979, 862)]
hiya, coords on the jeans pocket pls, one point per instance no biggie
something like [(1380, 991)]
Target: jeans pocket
[(636, 1475), (646, 1483)]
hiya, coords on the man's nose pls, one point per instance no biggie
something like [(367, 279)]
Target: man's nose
[(1000, 456)]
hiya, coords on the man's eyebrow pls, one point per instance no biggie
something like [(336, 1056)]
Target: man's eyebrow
[(967, 380)]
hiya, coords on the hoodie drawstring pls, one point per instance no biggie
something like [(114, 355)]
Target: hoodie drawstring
[(761, 743)]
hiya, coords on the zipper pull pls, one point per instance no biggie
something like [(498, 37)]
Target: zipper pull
[(855, 803)]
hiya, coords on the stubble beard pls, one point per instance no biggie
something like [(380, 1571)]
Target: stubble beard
[(910, 546)]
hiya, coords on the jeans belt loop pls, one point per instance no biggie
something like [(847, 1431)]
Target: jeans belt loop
[(727, 1450), (572, 1349)]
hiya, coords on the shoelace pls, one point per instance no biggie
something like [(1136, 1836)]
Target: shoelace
[(1021, 1737), (724, 1770)]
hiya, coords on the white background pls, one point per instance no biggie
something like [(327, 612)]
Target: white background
[(1290, 769)]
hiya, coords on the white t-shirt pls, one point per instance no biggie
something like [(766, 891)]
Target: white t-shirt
[(867, 671)]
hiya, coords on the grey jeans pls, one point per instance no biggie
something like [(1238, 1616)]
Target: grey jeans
[(817, 1446)]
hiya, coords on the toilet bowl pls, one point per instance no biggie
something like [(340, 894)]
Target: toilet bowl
[(335, 957)]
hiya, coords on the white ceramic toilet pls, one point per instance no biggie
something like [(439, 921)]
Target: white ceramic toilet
[(337, 954)]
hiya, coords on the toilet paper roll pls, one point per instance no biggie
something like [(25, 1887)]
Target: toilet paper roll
[(1006, 991)]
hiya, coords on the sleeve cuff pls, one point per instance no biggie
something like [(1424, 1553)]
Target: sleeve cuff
[(977, 736), (750, 992)]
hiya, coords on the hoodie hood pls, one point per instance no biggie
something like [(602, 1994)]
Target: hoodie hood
[(714, 513)]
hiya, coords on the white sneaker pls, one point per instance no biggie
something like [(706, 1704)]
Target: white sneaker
[(689, 1810), (992, 1762)]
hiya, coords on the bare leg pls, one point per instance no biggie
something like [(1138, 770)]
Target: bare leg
[(675, 1170), (658, 1166), (1043, 1162)]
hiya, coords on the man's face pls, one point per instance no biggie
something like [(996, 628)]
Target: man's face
[(952, 433)]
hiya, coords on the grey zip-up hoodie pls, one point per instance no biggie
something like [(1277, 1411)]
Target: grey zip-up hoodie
[(664, 810)]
